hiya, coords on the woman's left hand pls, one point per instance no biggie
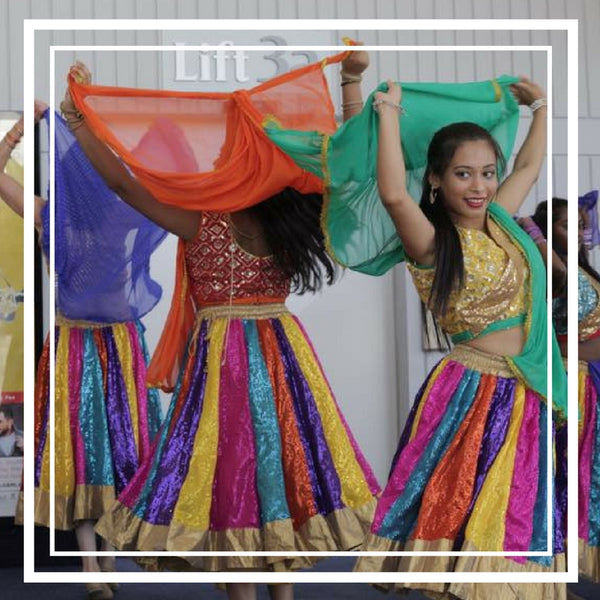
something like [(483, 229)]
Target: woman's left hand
[(526, 91), (39, 108), (356, 62)]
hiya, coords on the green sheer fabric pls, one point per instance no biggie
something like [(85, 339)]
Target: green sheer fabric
[(359, 232), (532, 364)]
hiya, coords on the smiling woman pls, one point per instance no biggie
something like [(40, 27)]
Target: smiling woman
[(470, 470)]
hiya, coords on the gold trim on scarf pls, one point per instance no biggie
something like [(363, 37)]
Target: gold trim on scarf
[(497, 90), (326, 202)]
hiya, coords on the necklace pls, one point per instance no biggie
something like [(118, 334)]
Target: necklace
[(243, 233)]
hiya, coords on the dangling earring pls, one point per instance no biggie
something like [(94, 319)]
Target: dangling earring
[(433, 194)]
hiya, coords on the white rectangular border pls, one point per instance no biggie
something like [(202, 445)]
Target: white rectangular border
[(30, 26), (113, 48)]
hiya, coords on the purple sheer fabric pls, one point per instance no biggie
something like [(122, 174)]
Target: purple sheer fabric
[(102, 245), (588, 202)]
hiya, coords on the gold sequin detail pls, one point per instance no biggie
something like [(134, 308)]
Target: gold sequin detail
[(495, 284), (590, 324)]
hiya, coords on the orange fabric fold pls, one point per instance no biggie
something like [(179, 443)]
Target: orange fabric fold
[(215, 153), (167, 358), (207, 151)]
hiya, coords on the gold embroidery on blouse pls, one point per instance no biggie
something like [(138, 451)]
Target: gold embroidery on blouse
[(493, 289)]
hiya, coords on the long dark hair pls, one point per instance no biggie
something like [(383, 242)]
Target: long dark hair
[(449, 268), (540, 217), (292, 229)]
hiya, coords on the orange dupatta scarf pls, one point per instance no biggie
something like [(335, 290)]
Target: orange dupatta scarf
[(207, 151)]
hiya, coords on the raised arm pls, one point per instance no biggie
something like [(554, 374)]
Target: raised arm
[(351, 76), (9, 142), (182, 223), (11, 191), (415, 230), (514, 189)]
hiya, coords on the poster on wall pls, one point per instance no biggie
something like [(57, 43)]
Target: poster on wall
[(11, 341)]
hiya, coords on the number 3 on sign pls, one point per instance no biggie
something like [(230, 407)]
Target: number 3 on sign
[(278, 57)]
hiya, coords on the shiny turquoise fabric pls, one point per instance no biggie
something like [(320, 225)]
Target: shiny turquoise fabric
[(93, 423), (588, 298), (267, 441), (539, 540)]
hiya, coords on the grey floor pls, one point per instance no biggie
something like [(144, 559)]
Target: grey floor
[(13, 588)]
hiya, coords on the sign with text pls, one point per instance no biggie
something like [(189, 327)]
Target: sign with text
[(227, 68)]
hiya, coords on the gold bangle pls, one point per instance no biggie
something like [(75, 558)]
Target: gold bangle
[(11, 140), (350, 77), (11, 144), (65, 109), (75, 123), (353, 103)]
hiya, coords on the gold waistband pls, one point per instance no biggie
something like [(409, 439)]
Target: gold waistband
[(242, 311), (64, 322), (482, 361)]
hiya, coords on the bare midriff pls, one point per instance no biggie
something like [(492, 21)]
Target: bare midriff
[(508, 342)]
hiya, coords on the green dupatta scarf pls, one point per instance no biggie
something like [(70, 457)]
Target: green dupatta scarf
[(531, 366), (358, 230)]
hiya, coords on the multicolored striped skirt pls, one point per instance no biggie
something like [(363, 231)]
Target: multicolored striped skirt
[(105, 419), (589, 470), (470, 474), (254, 454)]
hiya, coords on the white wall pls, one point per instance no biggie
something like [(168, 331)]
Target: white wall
[(375, 321)]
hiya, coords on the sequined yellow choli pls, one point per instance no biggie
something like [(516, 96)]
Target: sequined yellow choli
[(589, 306), (494, 293)]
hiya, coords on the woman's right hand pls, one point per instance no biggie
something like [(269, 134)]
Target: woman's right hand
[(39, 108)]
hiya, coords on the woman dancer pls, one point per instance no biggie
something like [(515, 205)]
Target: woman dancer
[(254, 453), (588, 374), (469, 473), (105, 418)]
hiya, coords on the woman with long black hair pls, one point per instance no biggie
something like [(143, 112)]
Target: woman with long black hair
[(254, 454), (470, 470), (588, 370)]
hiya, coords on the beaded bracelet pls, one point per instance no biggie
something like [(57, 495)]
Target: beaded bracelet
[(537, 104), (379, 101)]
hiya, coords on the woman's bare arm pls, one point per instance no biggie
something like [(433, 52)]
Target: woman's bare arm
[(183, 223), (414, 229), (514, 189)]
